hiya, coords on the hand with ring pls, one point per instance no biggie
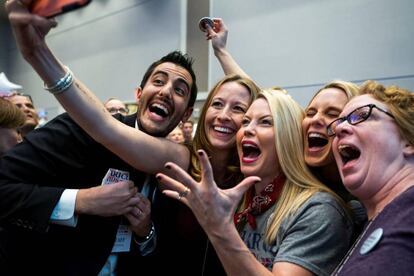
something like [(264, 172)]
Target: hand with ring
[(183, 194), (140, 216), (211, 205)]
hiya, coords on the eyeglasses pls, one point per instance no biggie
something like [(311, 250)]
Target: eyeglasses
[(357, 116), (121, 110)]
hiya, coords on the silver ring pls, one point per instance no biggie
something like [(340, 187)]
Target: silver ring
[(183, 194)]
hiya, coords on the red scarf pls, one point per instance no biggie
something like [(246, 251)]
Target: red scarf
[(258, 204)]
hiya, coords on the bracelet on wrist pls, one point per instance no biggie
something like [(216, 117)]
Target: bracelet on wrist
[(62, 84), (141, 240)]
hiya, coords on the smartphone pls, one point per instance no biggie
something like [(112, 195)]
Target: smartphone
[(202, 24), (51, 8)]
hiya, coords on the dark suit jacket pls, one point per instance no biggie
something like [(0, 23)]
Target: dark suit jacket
[(33, 176)]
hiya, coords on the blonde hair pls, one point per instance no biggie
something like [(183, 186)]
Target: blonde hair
[(350, 89), (200, 140), (400, 103), (10, 115), (300, 183)]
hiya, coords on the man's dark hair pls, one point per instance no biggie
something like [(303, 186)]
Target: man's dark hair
[(180, 59)]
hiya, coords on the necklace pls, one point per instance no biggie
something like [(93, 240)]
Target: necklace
[(258, 204), (350, 251)]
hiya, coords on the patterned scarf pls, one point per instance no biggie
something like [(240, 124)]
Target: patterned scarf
[(258, 204)]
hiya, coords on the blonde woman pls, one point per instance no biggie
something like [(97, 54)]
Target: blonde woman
[(287, 221), (324, 107)]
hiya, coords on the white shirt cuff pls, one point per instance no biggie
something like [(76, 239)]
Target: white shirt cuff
[(64, 212)]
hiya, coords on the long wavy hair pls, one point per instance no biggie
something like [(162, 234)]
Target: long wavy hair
[(201, 141), (350, 90), (300, 183)]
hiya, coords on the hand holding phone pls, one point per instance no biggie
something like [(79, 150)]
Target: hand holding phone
[(204, 22), (51, 8)]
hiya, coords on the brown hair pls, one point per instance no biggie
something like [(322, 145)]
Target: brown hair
[(400, 103), (10, 115), (200, 140)]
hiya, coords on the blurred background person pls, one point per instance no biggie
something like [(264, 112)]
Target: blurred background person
[(176, 135), (187, 128), (11, 119), (25, 103), (114, 106)]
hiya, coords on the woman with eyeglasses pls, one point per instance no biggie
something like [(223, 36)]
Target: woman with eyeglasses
[(374, 150)]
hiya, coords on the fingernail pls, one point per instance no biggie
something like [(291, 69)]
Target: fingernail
[(200, 153), (159, 177), (168, 166)]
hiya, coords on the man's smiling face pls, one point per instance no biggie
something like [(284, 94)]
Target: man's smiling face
[(163, 101)]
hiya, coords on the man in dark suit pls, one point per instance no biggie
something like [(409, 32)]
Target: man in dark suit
[(58, 157), (59, 163)]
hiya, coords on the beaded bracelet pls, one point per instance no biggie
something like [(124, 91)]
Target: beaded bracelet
[(62, 84), (140, 240)]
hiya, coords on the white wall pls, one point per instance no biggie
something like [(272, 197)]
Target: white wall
[(108, 45), (301, 44), (296, 44)]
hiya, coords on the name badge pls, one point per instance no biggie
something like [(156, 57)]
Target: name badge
[(124, 234), (371, 241), (123, 239)]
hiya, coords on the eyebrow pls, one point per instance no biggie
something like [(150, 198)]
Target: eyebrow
[(180, 79), (268, 116), (225, 98), (334, 108)]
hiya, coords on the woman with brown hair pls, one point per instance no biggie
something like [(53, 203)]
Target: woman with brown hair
[(11, 118)]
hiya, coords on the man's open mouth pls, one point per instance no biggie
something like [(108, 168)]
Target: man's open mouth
[(159, 109)]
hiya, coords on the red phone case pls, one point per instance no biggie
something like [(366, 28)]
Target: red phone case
[(51, 8)]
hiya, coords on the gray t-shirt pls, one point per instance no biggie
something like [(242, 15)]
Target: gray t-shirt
[(316, 237)]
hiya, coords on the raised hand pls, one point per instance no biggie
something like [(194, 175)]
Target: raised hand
[(108, 200), (217, 34), (29, 29), (211, 205)]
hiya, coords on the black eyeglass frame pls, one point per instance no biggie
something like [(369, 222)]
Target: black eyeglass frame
[(357, 120)]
